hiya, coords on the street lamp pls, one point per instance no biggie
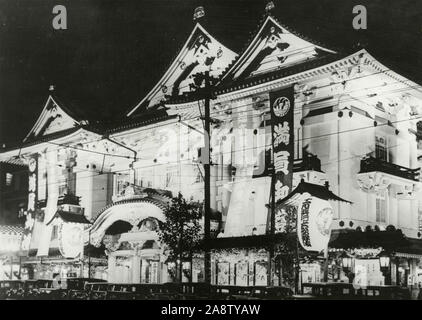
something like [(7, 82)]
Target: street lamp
[(385, 266), (346, 263)]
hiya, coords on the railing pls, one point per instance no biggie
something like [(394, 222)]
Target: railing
[(33, 289), (341, 290), (132, 191), (371, 164)]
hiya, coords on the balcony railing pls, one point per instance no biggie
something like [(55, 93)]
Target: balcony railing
[(309, 162), (371, 164)]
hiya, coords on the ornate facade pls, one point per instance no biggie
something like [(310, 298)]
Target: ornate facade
[(354, 132)]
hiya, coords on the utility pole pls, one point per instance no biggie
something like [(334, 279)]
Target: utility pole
[(207, 181)]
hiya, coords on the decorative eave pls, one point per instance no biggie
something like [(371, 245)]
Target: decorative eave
[(69, 136), (297, 74), (315, 190), (227, 56), (130, 127), (378, 181), (69, 217), (272, 81)]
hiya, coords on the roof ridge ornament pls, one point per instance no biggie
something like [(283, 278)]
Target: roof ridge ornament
[(198, 13), (269, 7), (51, 87)]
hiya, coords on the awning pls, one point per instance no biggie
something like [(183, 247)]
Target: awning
[(318, 191), (349, 239), (412, 250)]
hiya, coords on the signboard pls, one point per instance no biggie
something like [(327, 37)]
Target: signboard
[(52, 198), (32, 200), (282, 121), (314, 223), (420, 219)]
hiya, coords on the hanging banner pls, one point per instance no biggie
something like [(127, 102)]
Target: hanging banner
[(52, 199), (314, 218), (32, 202), (282, 122)]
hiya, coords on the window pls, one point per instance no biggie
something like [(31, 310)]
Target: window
[(381, 148), (9, 179), (62, 188), (144, 178), (199, 178), (171, 176), (381, 206), (55, 232), (122, 181)]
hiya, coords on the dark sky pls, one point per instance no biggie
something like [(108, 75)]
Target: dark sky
[(114, 51)]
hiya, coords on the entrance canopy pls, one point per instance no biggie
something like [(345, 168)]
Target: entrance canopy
[(130, 211)]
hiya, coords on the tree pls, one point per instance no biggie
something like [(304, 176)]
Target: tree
[(180, 232)]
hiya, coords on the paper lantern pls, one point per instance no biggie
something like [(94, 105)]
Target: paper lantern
[(314, 223)]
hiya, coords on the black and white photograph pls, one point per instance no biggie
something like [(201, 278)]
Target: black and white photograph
[(230, 151)]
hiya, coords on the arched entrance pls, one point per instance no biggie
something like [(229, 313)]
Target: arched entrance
[(128, 230)]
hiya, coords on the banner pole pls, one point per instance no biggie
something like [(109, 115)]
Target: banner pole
[(326, 263)]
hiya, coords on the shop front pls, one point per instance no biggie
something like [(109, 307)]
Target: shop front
[(141, 264), (240, 267), (10, 255), (376, 258)]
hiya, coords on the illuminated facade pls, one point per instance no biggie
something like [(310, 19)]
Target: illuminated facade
[(352, 134)]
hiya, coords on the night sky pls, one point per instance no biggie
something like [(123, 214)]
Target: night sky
[(114, 51)]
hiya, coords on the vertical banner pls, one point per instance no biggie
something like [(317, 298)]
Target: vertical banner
[(420, 218), (282, 121), (32, 202), (51, 207)]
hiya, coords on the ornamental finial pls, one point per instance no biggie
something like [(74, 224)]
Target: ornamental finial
[(51, 88), (270, 6), (198, 13)]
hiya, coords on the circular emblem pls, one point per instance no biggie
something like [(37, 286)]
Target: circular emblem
[(70, 240), (281, 106), (32, 165), (323, 221)]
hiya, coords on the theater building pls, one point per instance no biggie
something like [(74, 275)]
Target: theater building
[(295, 127)]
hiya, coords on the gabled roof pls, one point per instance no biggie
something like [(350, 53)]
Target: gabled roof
[(314, 190), (70, 217), (200, 53), (274, 47), (54, 118)]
